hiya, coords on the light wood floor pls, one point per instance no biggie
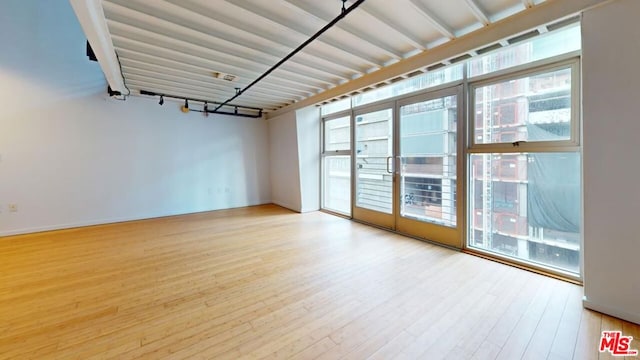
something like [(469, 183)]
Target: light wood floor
[(263, 282)]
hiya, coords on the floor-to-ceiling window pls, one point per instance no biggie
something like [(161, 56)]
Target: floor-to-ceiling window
[(510, 158), (524, 167)]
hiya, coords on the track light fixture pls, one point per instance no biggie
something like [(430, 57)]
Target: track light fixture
[(239, 110)]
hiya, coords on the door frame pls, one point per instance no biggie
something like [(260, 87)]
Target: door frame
[(365, 215), (441, 234)]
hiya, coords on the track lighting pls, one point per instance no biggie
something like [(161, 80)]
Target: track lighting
[(239, 110)]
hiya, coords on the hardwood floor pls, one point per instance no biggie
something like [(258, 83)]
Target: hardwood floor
[(263, 282)]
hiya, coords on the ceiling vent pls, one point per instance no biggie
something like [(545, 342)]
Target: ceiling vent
[(223, 76)]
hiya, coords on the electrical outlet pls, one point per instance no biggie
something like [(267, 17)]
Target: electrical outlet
[(13, 207)]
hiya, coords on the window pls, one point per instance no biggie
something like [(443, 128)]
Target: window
[(337, 184), (542, 207), (524, 199), (337, 134), (522, 151), (536, 107), (335, 106), (427, 80), (561, 41), (336, 164)]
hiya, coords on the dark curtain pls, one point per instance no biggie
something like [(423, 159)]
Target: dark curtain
[(554, 186)]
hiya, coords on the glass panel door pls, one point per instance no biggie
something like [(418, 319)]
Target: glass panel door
[(374, 166), (428, 166)]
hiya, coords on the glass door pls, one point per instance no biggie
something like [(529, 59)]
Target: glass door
[(374, 166), (406, 166), (428, 165)]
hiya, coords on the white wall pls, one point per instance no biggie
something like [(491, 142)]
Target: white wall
[(294, 139), (611, 53), (308, 129), (285, 176), (71, 156)]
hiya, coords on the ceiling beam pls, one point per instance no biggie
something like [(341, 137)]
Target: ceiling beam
[(303, 33), (161, 61), (436, 23), (214, 65), (128, 29), (541, 14), (294, 28), (478, 12), (130, 72), (208, 93), (207, 78), (528, 3), (314, 13), (214, 15), (266, 85), (135, 65), (93, 22), (276, 47), (410, 38)]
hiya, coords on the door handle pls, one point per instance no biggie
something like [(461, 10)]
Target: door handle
[(389, 158)]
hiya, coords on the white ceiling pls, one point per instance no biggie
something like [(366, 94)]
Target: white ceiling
[(175, 46)]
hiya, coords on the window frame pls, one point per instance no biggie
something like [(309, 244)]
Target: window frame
[(463, 69), (324, 121), (566, 61), (571, 145), (467, 147), (325, 153)]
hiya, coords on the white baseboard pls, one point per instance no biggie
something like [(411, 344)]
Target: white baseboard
[(634, 318), (36, 229)]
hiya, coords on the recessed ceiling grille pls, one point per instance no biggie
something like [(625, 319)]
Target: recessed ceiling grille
[(223, 76)]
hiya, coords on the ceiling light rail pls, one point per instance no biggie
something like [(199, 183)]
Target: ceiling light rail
[(344, 13), (238, 110)]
